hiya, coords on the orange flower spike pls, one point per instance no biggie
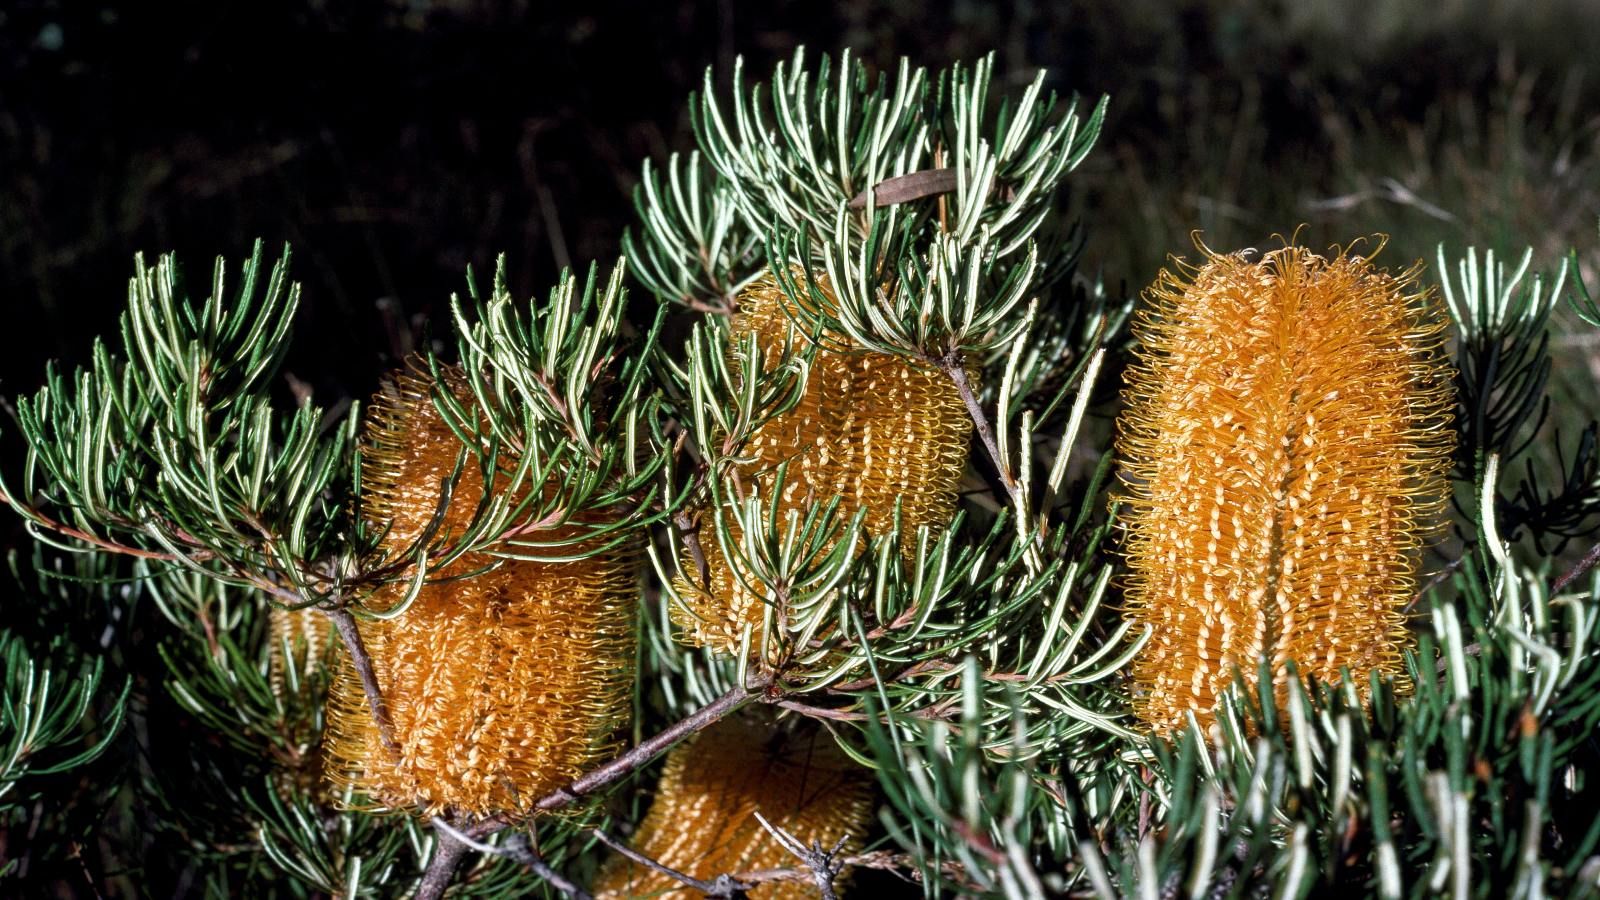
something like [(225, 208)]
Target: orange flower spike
[(502, 683), (872, 429), (702, 821), (1285, 449)]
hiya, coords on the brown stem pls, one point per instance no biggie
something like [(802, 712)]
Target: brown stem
[(201, 554), (953, 367), (1442, 575), (723, 886), (618, 768), (936, 711), (1588, 562), (628, 762), (529, 856), (689, 530), (351, 635), (44, 521), (447, 853)]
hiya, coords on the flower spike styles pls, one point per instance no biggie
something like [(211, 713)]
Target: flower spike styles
[(703, 819), (874, 428), (300, 641), (884, 434), (1285, 451), (503, 681)]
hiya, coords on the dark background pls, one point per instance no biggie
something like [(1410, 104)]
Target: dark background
[(392, 144), (395, 143)]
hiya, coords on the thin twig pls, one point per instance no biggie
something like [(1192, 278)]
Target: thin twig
[(1444, 574), (724, 886), (823, 863), (445, 828), (621, 766), (529, 856), (38, 518), (1588, 562), (882, 860), (953, 367), (642, 754), (690, 532), (936, 711), (517, 848), (351, 635)]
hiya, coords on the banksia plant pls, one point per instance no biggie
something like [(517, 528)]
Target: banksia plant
[(702, 821), (1285, 444), (503, 679), (890, 304), (883, 434)]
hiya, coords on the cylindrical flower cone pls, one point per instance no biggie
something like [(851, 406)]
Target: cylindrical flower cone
[(298, 641), (908, 443), (702, 821), (1285, 447), (299, 648), (875, 430), (502, 683)]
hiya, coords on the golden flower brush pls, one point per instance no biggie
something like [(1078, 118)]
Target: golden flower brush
[(1285, 450), (502, 683), (873, 429), (298, 641), (702, 821), (299, 647)]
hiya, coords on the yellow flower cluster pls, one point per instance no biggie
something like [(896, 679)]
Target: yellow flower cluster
[(299, 640), (1285, 450), (872, 429), (702, 822), (502, 682)]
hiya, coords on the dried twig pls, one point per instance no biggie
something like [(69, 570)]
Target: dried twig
[(529, 856), (954, 368), (628, 762), (604, 775), (1589, 561), (518, 848), (824, 865), (723, 886)]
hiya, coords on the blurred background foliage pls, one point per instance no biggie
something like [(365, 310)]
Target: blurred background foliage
[(395, 143)]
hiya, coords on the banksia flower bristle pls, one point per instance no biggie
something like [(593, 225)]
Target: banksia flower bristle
[(297, 639), (1285, 446), (873, 429), (702, 822), (502, 683)]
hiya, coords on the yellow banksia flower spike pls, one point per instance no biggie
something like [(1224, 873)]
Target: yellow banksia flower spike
[(872, 429), (702, 821), (300, 645), (1285, 449), (502, 682), (298, 640)]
